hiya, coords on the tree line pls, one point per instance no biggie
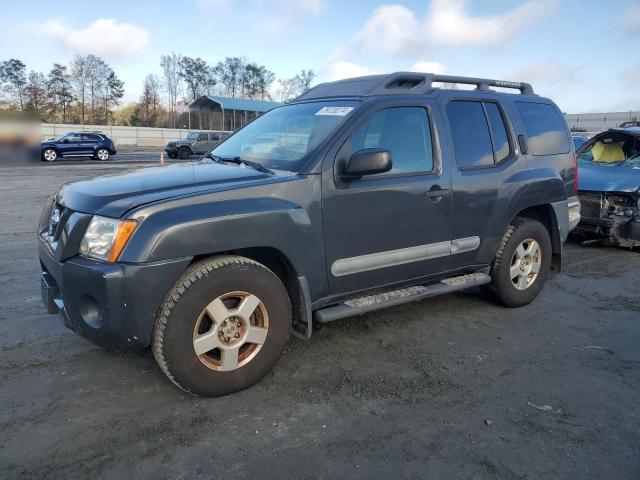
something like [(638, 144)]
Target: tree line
[(88, 91)]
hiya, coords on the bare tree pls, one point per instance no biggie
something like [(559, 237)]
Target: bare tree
[(36, 92), (148, 108), (80, 78), (171, 79)]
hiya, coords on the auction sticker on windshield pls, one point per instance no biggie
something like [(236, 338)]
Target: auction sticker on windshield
[(336, 111)]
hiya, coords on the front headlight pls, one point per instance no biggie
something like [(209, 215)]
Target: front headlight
[(105, 237)]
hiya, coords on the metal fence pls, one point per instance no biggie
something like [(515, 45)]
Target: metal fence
[(597, 122), (133, 136)]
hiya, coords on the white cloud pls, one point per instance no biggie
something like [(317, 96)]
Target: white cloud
[(428, 67), (550, 73), (341, 69), (630, 19), (104, 37), (395, 29)]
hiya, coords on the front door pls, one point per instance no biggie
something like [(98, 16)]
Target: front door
[(71, 144), (391, 227)]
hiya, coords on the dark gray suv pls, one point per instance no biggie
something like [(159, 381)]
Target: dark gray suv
[(359, 195), (195, 143)]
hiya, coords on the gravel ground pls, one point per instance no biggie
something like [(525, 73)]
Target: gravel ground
[(453, 387)]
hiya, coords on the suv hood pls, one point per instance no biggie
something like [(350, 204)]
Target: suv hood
[(113, 195), (608, 179)]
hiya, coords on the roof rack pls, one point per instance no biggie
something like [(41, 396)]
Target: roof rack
[(402, 83)]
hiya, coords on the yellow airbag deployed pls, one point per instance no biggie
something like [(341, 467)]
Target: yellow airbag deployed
[(607, 152)]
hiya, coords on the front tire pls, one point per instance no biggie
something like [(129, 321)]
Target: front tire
[(222, 326), (522, 263), (49, 155)]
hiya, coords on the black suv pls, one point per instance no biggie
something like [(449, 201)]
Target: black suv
[(359, 195), (78, 144)]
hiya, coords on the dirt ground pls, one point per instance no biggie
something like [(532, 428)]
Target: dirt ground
[(453, 387)]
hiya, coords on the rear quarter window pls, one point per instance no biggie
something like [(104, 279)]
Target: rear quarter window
[(545, 127)]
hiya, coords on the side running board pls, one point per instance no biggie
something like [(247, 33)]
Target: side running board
[(362, 305)]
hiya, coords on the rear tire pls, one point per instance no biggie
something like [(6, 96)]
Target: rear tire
[(184, 153), (102, 154), (222, 326), (521, 265)]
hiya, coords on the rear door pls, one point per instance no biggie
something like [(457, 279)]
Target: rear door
[(483, 158), (391, 227), (88, 143)]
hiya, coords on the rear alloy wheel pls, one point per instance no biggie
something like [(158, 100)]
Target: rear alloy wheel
[(102, 154), (222, 326), (184, 153), (522, 263), (49, 155)]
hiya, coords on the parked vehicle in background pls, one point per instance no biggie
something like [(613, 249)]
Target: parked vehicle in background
[(609, 187), (78, 144), (195, 143), (579, 140), (632, 123), (375, 191)]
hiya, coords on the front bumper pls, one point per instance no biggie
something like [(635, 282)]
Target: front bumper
[(113, 305), (171, 150)]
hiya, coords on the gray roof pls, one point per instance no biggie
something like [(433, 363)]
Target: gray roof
[(402, 83), (229, 103)]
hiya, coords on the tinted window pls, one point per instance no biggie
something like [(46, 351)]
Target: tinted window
[(470, 133), (405, 132), (202, 137), (73, 137), (546, 130), (498, 132), (214, 137), (86, 137)]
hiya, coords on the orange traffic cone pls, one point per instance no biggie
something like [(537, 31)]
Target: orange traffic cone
[(161, 158)]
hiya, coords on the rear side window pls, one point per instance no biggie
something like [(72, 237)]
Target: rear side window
[(405, 132), (498, 131), (470, 132), (87, 137), (546, 130)]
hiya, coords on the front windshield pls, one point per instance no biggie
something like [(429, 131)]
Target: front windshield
[(613, 150), (284, 136)]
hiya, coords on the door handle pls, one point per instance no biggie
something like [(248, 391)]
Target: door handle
[(436, 193)]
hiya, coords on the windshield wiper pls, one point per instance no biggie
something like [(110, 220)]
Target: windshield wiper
[(241, 161)]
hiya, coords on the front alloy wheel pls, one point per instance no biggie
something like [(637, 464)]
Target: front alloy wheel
[(49, 155), (230, 331)]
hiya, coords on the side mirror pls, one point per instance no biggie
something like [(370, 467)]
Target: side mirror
[(368, 162)]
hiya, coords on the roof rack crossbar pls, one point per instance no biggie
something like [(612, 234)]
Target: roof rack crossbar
[(480, 83), (426, 81)]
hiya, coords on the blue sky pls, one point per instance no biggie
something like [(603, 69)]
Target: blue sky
[(583, 54)]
